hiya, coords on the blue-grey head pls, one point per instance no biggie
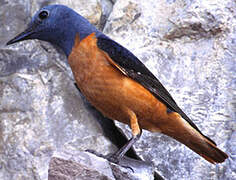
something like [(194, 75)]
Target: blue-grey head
[(56, 24)]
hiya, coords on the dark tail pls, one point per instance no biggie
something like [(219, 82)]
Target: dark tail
[(208, 150), (196, 141)]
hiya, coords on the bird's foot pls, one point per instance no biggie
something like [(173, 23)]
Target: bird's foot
[(113, 158), (95, 153), (110, 157)]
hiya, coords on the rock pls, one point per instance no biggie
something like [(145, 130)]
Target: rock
[(84, 165), (188, 45), (133, 170), (79, 165), (106, 6)]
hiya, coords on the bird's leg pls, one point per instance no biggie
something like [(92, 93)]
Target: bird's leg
[(120, 153), (136, 133)]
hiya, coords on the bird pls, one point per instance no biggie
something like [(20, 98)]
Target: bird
[(116, 82)]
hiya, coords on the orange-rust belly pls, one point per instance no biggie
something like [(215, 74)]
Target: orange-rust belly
[(109, 90)]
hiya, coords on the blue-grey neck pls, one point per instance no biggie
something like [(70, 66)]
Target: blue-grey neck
[(80, 26)]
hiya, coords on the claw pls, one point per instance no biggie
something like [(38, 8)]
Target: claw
[(95, 153), (113, 158)]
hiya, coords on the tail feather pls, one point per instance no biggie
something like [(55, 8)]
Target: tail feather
[(195, 140), (208, 150)]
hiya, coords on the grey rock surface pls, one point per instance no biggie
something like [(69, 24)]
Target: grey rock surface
[(130, 169), (189, 45), (78, 166), (86, 166)]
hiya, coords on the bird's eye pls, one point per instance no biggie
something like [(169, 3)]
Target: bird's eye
[(43, 15)]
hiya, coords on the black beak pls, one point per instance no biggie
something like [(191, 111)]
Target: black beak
[(22, 36)]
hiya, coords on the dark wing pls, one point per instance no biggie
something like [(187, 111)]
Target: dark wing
[(136, 70)]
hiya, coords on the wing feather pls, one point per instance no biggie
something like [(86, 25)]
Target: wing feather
[(131, 66)]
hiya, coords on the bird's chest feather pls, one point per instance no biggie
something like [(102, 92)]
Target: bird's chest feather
[(106, 87), (98, 80), (86, 60)]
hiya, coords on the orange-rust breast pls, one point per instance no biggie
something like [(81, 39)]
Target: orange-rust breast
[(109, 89)]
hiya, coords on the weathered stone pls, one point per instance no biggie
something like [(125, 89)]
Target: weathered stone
[(133, 170), (78, 166), (81, 165), (189, 45)]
